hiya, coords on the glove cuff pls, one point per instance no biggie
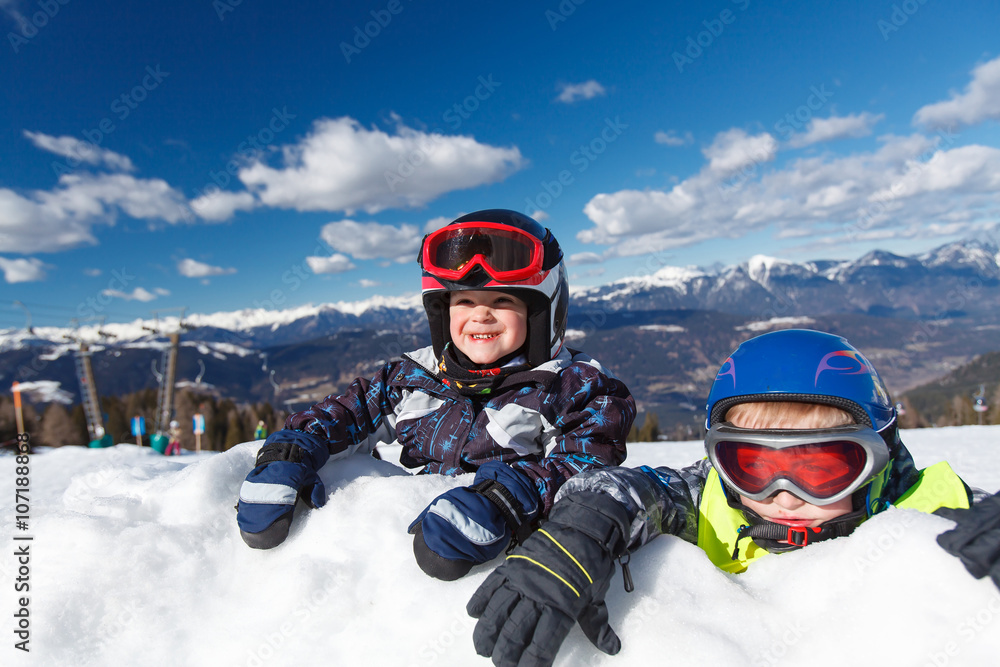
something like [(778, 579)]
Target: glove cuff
[(501, 497), (295, 447), (596, 515)]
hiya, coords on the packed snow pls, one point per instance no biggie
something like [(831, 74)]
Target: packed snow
[(136, 559)]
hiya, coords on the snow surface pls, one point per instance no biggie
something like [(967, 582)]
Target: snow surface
[(137, 560)]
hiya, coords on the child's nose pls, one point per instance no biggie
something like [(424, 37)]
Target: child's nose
[(482, 313), (788, 500)]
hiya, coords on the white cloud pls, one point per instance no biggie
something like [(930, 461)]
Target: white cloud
[(191, 268), (980, 101), (541, 216), (365, 282), (574, 92), (92, 273), (28, 270), (341, 166), (63, 218), (371, 240), (76, 150), (220, 205), (138, 294), (735, 149), (835, 127), (335, 263), (580, 258), (437, 223), (914, 186), (671, 138)]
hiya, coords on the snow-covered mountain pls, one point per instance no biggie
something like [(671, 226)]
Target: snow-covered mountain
[(957, 278), (250, 328), (954, 279), (664, 333)]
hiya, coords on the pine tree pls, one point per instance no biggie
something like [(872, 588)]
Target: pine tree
[(115, 421), (57, 427), (185, 407), (961, 412), (235, 429), (650, 430), (79, 419), (633, 434)]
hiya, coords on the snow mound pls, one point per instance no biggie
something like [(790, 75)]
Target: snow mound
[(137, 559)]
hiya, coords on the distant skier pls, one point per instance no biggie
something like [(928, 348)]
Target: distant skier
[(174, 433), (497, 393), (802, 446), (260, 432)]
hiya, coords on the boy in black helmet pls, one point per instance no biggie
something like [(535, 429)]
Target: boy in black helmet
[(802, 446), (497, 393)]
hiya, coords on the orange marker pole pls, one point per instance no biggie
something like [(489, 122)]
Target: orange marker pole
[(18, 416)]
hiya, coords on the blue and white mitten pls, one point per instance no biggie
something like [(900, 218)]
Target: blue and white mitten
[(474, 524), (285, 470)]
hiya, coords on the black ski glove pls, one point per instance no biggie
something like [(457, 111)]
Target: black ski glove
[(976, 537), (558, 577)]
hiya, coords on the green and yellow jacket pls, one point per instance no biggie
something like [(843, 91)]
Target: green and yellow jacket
[(692, 502)]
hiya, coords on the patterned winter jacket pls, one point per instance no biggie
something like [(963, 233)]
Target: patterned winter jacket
[(551, 422), (664, 501)]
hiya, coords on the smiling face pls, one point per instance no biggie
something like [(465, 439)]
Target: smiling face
[(487, 325)]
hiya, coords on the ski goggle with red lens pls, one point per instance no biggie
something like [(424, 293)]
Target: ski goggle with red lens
[(819, 466), (508, 254)]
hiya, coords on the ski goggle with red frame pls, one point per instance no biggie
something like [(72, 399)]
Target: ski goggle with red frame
[(506, 253), (820, 466)]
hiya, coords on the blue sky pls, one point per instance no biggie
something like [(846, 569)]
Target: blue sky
[(219, 156)]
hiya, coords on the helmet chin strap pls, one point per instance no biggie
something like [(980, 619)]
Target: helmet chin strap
[(779, 538)]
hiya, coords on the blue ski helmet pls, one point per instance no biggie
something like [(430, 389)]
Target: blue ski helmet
[(503, 250), (804, 366)]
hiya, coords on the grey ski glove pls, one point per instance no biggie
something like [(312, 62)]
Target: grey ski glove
[(558, 577)]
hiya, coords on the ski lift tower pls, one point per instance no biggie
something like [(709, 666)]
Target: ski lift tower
[(980, 405), (166, 378), (88, 390)]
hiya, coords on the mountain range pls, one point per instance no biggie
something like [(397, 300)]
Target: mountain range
[(664, 332)]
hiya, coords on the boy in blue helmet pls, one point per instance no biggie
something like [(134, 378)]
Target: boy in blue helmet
[(802, 446), (496, 393)]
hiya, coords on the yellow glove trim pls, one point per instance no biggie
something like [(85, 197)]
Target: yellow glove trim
[(587, 574), (532, 560)]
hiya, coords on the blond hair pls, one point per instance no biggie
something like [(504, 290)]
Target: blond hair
[(786, 414)]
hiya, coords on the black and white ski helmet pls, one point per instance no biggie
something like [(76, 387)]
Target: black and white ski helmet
[(502, 250)]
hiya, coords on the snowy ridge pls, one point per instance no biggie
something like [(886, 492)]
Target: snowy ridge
[(757, 286), (151, 330)]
